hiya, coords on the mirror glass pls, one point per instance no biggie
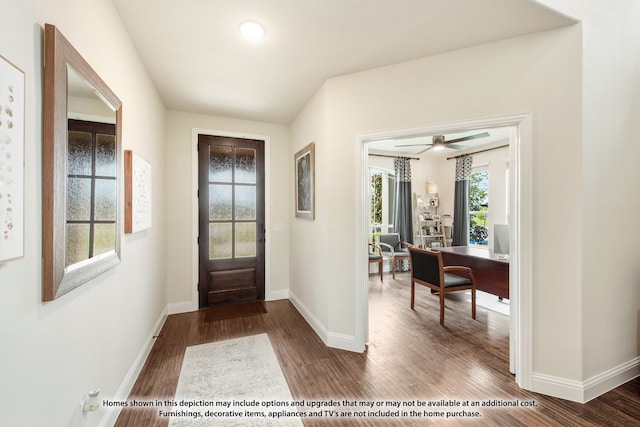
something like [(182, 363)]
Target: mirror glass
[(91, 172), (81, 170)]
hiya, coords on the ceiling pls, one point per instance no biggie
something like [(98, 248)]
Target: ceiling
[(199, 62)]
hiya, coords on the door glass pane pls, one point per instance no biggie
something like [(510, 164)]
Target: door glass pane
[(245, 165), (78, 199), (106, 155), (245, 239), (220, 241), (245, 203), (220, 202), (105, 209), (220, 164), (79, 157), (104, 238), (77, 243)]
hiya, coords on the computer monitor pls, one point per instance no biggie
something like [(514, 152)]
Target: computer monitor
[(501, 239)]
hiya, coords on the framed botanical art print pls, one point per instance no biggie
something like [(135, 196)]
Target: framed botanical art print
[(305, 182), (12, 107)]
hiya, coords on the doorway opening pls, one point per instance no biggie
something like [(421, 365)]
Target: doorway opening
[(519, 183)]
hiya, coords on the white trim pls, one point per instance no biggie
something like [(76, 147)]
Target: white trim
[(557, 387), (521, 244), (520, 278), (276, 295), (315, 324), (194, 206), (180, 307), (610, 379), (343, 342), (361, 246), (330, 339), (584, 391), (111, 413)]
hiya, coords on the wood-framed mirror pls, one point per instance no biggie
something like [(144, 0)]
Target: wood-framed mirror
[(82, 162)]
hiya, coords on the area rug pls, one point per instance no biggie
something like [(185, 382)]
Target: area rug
[(234, 311), (229, 383)]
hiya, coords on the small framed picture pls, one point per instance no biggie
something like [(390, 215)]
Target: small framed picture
[(433, 230), (304, 163)]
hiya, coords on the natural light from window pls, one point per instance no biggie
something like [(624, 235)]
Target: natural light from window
[(382, 190), (479, 207)]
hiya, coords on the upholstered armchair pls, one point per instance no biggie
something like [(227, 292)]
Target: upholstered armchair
[(427, 269), (394, 248)]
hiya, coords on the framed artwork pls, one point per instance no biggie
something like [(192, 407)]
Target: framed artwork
[(12, 107), (137, 193), (305, 182)]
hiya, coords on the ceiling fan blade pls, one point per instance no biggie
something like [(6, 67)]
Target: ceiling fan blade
[(412, 145), (456, 146), (467, 138)]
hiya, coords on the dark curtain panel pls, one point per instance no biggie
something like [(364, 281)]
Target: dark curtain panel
[(461, 201), (403, 215)]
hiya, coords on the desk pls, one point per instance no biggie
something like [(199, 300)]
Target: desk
[(491, 273)]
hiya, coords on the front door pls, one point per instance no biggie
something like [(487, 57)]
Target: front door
[(231, 225)]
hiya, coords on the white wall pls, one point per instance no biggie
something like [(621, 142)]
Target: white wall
[(53, 353), (311, 261), (540, 74), (182, 218), (610, 296)]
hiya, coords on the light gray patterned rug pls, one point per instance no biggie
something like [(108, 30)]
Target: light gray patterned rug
[(236, 382)]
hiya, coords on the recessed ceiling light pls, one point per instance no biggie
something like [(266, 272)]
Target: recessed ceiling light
[(252, 30)]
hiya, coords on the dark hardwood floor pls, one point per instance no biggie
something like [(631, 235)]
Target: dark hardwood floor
[(410, 357)]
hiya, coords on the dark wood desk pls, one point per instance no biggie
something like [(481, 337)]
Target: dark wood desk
[(491, 273)]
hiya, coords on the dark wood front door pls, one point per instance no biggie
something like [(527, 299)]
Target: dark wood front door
[(232, 229)]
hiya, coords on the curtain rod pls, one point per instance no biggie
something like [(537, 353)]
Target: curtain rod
[(395, 157), (476, 152)]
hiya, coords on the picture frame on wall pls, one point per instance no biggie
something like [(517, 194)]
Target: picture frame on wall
[(305, 182), (12, 123), (137, 193)]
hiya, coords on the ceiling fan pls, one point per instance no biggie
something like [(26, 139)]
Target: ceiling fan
[(438, 142)]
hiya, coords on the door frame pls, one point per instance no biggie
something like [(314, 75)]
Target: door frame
[(521, 221), (195, 213)]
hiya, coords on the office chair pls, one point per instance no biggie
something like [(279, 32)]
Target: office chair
[(427, 269)]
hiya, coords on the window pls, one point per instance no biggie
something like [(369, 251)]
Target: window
[(382, 192), (479, 207)]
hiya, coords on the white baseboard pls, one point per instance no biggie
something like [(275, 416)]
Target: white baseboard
[(189, 306), (608, 380), (181, 307), (111, 414), (584, 391), (334, 340), (277, 295), (343, 342)]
